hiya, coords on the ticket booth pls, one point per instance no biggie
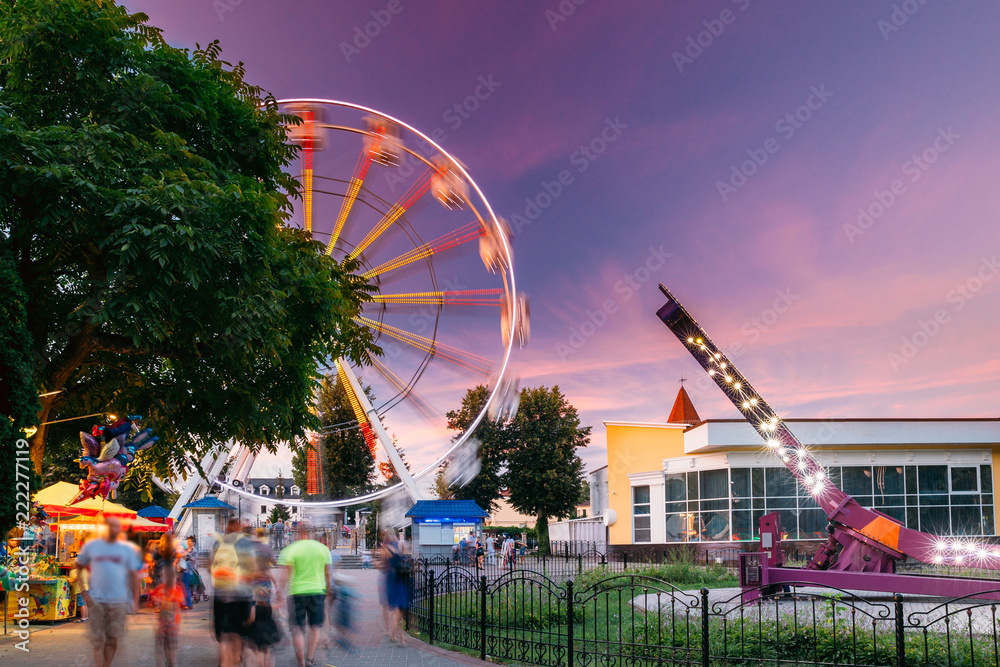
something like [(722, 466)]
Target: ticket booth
[(439, 525)]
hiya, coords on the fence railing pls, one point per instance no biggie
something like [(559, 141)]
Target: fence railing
[(627, 619)]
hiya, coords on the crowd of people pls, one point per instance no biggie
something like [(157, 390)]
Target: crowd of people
[(249, 584), (480, 552)]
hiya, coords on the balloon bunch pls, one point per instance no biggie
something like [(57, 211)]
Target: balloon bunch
[(107, 453)]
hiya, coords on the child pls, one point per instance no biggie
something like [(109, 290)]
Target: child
[(262, 629), (366, 560), (168, 597), (344, 596), (79, 583)]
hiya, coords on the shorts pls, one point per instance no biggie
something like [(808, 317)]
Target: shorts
[(80, 602), (303, 607), (107, 622), (231, 617)]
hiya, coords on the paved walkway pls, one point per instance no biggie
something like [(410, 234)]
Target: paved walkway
[(66, 645)]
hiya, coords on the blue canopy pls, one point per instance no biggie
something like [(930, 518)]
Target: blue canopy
[(154, 512)]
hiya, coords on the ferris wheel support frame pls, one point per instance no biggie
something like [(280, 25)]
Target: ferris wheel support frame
[(383, 437)]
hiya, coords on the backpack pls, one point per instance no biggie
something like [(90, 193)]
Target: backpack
[(228, 573)]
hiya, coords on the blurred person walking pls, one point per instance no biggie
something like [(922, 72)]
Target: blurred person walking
[(188, 565), (232, 560), (306, 573), (397, 586), (113, 567), (263, 632), (168, 598)]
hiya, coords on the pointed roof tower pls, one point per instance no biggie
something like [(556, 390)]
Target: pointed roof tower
[(683, 411)]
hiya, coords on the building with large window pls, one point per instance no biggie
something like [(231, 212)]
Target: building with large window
[(709, 481)]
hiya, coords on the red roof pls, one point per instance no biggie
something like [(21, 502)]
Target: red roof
[(683, 411)]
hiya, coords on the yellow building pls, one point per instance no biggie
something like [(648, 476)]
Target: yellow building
[(709, 481)]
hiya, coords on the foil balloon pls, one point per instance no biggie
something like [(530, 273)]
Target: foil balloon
[(107, 452)]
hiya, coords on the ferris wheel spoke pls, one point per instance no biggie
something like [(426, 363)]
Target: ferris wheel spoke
[(467, 360), (416, 190), (370, 147), (404, 389), (453, 239), (471, 297), (307, 169)]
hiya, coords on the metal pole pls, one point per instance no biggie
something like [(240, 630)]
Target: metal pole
[(430, 607), (569, 623), (704, 627), (900, 637), (482, 618)]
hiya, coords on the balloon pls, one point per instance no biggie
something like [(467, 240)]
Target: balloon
[(107, 452)]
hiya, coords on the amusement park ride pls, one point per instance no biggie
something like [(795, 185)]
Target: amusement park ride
[(864, 546), (364, 176)]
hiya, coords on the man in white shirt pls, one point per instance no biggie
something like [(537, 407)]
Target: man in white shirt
[(491, 552), (114, 586)]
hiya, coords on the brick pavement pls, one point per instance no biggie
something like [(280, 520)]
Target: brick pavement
[(65, 644)]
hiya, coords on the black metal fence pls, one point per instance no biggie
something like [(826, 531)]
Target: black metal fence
[(632, 620)]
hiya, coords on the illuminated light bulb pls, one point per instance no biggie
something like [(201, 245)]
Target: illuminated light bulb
[(982, 553), (722, 365), (941, 545), (729, 378), (772, 443), (996, 554), (690, 340), (781, 451), (774, 420), (818, 488), (969, 547), (938, 559), (737, 385), (802, 464), (703, 347), (711, 372), (958, 559), (718, 356), (698, 341), (753, 401), (809, 480), (746, 405)]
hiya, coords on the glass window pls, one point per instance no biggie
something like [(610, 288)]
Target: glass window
[(715, 483), (857, 481), (933, 479), (641, 531), (676, 488), (692, 480), (812, 523), (888, 480), (741, 526), (779, 482), (757, 475), (966, 521), (741, 482), (714, 525), (986, 476), (934, 520), (964, 480), (911, 479)]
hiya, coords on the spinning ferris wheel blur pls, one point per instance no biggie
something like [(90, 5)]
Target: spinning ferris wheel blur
[(379, 191)]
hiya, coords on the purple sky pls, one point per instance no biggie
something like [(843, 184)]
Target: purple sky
[(779, 265)]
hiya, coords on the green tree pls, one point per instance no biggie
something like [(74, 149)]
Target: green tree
[(494, 442), (544, 473), (18, 400), (347, 464), (142, 196), (441, 488)]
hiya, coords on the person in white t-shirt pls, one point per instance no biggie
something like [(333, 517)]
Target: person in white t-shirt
[(113, 567), (491, 550)]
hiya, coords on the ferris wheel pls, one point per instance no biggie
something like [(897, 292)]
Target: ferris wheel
[(445, 311)]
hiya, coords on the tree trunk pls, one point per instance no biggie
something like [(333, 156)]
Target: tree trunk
[(542, 530)]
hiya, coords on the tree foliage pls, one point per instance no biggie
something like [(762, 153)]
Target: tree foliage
[(494, 442), (18, 400), (142, 196), (533, 456), (544, 473), (348, 466)]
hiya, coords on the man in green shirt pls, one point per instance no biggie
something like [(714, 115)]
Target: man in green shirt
[(306, 566)]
